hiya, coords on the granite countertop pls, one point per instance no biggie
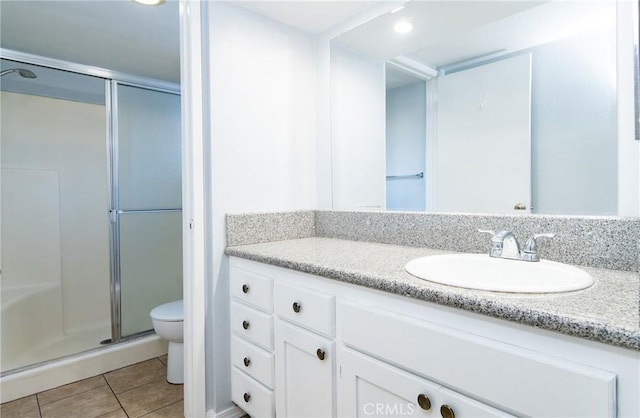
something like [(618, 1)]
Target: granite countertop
[(607, 312)]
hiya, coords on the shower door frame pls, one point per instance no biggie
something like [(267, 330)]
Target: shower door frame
[(111, 79), (114, 202)]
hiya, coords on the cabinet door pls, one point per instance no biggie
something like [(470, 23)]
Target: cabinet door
[(372, 388), (304, 373)]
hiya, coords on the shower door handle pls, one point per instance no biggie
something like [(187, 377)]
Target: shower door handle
[(113, 216)]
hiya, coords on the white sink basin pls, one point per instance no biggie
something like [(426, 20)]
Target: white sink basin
[(479, 271)]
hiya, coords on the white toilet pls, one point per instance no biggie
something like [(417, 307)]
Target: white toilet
[(168, 322)]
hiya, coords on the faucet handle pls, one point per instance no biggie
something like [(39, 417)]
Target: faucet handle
[(530, 246)]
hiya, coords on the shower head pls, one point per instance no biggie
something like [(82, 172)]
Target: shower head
[(23, 72)]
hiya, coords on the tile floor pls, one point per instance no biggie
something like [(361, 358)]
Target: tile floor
[(139, 390)]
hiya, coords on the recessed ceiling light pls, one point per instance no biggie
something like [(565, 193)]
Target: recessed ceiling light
[(403, 27), (150, 2)]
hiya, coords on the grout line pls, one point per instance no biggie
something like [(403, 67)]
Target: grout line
[(116, 396), (166, 406), (135, 387), (110, 412), (38, 403), (70, 396), (133, 364)]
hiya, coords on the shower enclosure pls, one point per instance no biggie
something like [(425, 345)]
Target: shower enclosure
[(90, 199)]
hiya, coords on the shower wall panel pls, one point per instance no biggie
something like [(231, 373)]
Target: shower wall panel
[(67, 140)]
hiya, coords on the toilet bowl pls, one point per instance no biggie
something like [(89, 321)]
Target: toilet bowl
[(168, 322)]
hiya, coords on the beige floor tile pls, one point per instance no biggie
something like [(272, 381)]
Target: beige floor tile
[(114, 414), (70, 389), (138, 374), (88, 404), (150, 397), (21, 408), (175, 410), (163, 359)]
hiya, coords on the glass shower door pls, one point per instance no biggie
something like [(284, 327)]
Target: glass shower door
[(147, 202)]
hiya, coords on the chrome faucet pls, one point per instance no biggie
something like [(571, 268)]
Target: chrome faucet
[(505, 245)]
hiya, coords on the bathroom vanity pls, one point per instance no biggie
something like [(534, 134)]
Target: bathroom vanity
[(332, 327)]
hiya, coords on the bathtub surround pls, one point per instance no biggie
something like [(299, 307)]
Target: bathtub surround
[(603, 242)]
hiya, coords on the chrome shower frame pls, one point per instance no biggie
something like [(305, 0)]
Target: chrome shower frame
[(111, 79)]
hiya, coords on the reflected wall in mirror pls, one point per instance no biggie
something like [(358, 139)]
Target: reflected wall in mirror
[(487, 107)]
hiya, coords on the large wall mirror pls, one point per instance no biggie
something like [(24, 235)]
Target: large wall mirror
[(488, 107)]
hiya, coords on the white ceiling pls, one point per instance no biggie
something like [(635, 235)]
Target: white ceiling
[(447, 33), (127, 37), (118, 35), (309, 16), (433, 22)]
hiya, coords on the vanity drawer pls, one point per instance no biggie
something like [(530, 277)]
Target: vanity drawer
[(251, 396), (252, 288), (507, 376), (367, 383), (306, 307), (253, 325), (253, 360)]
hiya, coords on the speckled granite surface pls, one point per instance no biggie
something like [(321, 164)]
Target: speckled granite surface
[(606, 242), (274, 226), (606, 312)]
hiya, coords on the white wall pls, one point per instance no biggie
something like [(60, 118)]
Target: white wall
[(357, 131), (406, 146), (67, 140), (263, 149)]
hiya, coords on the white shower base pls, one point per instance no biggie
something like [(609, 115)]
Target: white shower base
[(80, 367), (59, 346), (32, 330)]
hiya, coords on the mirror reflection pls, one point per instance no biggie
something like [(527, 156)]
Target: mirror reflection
[(486, 107)]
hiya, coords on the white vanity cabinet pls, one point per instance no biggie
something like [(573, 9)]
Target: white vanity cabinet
[(373, 388), (282, 343), (305, 349), (252, 341), (345, 350), (515, 380)]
